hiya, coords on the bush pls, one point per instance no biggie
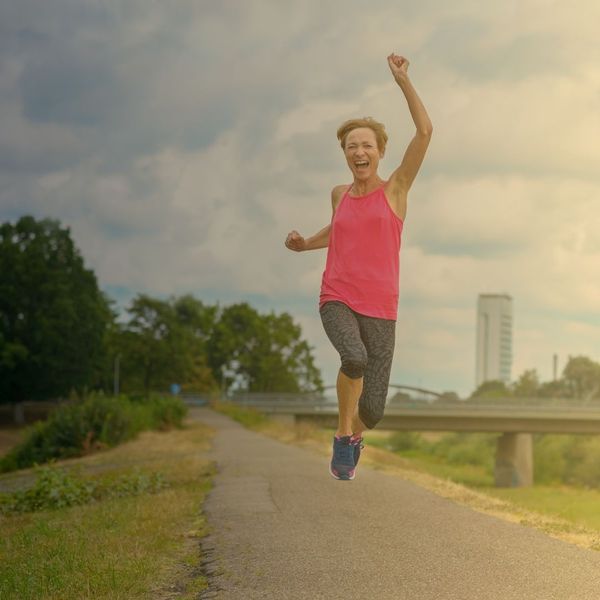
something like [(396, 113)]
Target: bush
[(558, 459), (584, 467), (53, 488), (166, 412), (59, 488), (401, 441), (567, 459), (550, 458), (466, 449), (452, 448), (94, 423)]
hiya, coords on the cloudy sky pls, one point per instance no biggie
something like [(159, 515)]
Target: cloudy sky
[(182, 140)]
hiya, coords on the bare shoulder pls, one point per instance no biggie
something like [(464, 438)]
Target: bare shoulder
[(337, 193)]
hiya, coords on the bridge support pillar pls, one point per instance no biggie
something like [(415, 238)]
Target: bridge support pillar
[(514, 460)]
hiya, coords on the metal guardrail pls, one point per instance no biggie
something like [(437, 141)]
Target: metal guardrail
[(440, 416), (319, 403), (195, 399)]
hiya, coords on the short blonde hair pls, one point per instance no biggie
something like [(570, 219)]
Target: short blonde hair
[(377, 128)]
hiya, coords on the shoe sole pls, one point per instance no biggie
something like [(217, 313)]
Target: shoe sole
[(348, 478)]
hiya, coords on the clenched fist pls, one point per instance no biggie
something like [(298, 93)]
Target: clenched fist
[(294, 241), (398, 66)]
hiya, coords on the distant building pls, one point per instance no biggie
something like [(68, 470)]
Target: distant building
[(493, 358)]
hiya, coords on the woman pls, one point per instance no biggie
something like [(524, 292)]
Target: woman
[(359, 291)]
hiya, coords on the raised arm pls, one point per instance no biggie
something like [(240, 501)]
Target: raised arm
[(296, 242), (403, 177)]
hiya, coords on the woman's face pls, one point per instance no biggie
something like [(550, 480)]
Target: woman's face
[(362, 154)]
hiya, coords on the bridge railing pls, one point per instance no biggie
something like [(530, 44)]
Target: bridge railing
[(289, 402), (515, 421)]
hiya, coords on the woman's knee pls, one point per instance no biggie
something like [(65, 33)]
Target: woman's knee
[(354, 365), (371, 415)]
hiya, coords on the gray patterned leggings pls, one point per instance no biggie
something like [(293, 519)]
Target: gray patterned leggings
[(366, 348)]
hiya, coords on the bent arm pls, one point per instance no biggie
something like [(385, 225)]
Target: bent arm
[(296, 242), (403, 177), (319, 240)]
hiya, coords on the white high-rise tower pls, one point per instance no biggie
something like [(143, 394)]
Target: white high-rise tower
[(493, 358)]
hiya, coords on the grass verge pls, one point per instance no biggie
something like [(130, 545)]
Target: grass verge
[(95, 423), (118, 548), (566, 513)]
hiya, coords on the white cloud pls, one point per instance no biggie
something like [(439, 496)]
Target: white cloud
[(219, 137)]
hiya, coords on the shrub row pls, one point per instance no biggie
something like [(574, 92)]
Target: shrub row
[(59, 488), (558, 459), (569, 459), (96, 422)]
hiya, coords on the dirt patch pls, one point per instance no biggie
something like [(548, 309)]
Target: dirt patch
[(9, 438)]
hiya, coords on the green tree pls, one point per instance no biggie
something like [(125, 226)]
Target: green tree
[(198, 321), (553, 389), (164, 342), (112, 354), (53, 316), (449, 397), (581, 377), (197, 318), (491, 389), (527, 385), (261, 353), (200, 377), (152, 346)]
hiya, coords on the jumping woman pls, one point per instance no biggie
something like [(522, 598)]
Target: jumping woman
[(358, 302)]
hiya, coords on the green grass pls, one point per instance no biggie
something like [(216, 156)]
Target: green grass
[(246, 416), (466, 459), (120, 548), (576, 505), (472, 475)]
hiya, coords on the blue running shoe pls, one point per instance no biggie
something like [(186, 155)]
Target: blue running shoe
[(357, 442), (342, 462)]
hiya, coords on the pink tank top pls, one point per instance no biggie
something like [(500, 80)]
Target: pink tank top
[(363, 261)]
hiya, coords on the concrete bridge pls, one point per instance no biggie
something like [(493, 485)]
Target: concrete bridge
[(516, 421), (417, 393)]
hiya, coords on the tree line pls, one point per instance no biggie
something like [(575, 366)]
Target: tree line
[(60, 333), (206, 347), (580, 380)]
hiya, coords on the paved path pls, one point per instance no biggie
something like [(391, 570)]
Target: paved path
[(282, 528)]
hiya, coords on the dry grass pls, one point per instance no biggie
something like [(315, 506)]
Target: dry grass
[(126, 548), (9, 438), (553, 526), (318, 440)]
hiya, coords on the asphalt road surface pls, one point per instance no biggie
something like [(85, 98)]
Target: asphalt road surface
[(283, 528)]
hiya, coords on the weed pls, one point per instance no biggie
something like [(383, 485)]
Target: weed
[(59, 488)]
